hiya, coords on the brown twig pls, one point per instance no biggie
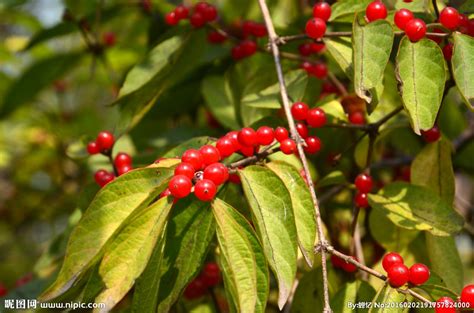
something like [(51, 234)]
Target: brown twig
[(253, 159)]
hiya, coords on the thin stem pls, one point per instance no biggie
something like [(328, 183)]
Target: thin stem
[(111, 160), (253, 159), (336, 82), (286, 105), (435, 7)]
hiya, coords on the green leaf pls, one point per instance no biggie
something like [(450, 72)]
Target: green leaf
[(127, 255), (435, 287), (384, 297), (433, 168), (333, 178), (352, 293), (38, 76), (303, 207), (193, 143), (463, 66), (273, 217), (372, 46), (188, 235), (219, 99), (347, 7), (111, 206), (416, 207), (341, 51), (242, 258), (421, 71), (60, 29)]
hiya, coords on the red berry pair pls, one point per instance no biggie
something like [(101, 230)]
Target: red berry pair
[(307, 49), (398, 274), (317, 69), (202, 13), (244, 49), (316, 27), (414, 28), (216, 37), (251, 28), (337, 262), (209, 277), (102, 144), (363, 183)]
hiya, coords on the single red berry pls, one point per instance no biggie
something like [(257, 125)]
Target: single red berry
[(247, 28), (467, 295), (407, 1), (315, 28), (265, 135), (398, 275), (307, 66), (103, 177), (376, 10), (415, 29), (361, 200), (197, 20), (195, 289), (302, 130), (109, 39), (419, 274), (431, 135), (322, 10), (201, 6), (205, 190), (235, 179), (313, 145), (336, 261), (237, 52), (210, 13), (234, 136), (210, 154), (317, 47), (402, 17), (320, 70), (445, 305), (249, 47), (449, 18), (225, 147), (259, 30), (122, 159), (93, 148), (123, 169), (247, 150), (305, 49), (247, 137), (448, 51), (281, 134), (216, 37), (391, 259), (165, 193), (171, 18), (180, 186), (105, 140), (349, 267), (316, 118), (299, 110), (193, 157), (329, 88), (181, 12), (3, 290), (211, 275), (217, 172), (288, 146), (185, 169), (363, 183), (357, 118)]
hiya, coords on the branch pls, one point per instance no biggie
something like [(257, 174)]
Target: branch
[(435, 6), (254, 158), (273, 38)]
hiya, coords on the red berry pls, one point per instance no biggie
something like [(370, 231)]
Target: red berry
[(449, 18), (217, 172), (398, 275), (305, 49), (448, 51), (299, 110), (197, 20), (210, 154), (445, 305), (288, 146), (165, 193), (376, 10), (467, 295), (317, 47), (234, 137), (361, 200), (201, 7), (247, 150), (419, 274), (247, 137), (436, 39), (105, 140), (210, 13), (195, 289), (357, 118), (211, 275), (225, 147), (181, 12), (313, 145), (349, 267), (320, 70), (302, 130), (415, 29), (431, 135), (281, 134), (322, 10), (315, 28), (402, 17), (216, 37), (329, 88), (3, 290), (336, 261), (237, 52), (363, 183), (259, 30), (307, 66), (407, 1), (185, 169), (103, 177), (109, 39), (235, 179), (180, 186), (193, 157), (205, 190), (124, 169), (122, 159), (171, 18), (316, 118), (390, 259), (265, 135), (93, 148), (249, 47)]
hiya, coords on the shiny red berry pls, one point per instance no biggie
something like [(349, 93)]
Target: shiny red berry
[(122, 159), (305, 49), (419, 274), (288, 146), (265, 135), (445, 305), (197, 20), (376, 10), (316, 118), (315, 28), (181, 12), (336, 261), (391, 259), (281, 134), (402, 17), (349, 267), (93, 148), (247, 137), (449, 18), (467, 295), (201, 6), (225, 147), (415, 29), (105, 140), (123, 169), (363, 183), (361, 200), (302, 129), (431, 135), (247, 150), (103, 177), (185, 169), (171, 18), (235, 179), (249, 47), (196, 289), (322, 10), (448, 51), (317, 47), (180, 186), (205, 190), (234, 136), (313, 145), (299, 110), (319, 70), (210, 154), (210, 13), (211, 275), (357, 118), (193, 157), (398, 275), (217, 172)]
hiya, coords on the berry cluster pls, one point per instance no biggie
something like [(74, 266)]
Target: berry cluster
[(337, 262), (209, 277), (199, 15), (448, 305), (314, 118), (399, 274), (316, 27), (318, 69), (122, 163), (363, 184)]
